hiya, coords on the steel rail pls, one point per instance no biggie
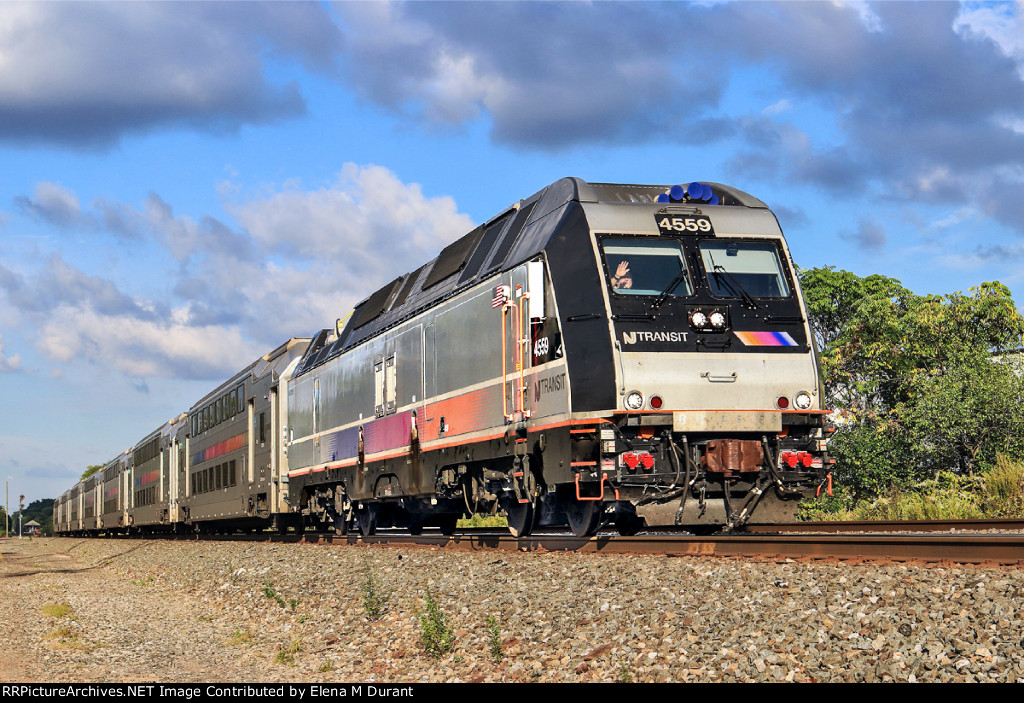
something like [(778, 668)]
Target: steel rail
[(1015, 524), (947, 548), (904, 541)]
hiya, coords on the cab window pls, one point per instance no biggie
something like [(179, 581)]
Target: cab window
[(735, 267), (646, 267)]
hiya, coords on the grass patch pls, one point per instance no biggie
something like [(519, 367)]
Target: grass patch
[(1004, 488), (436, 635), (478, 520), (65, 637), (64, 632), (997, 492), (240, 636), (286, 655), (57, 610)]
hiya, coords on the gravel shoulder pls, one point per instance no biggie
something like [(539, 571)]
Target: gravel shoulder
[(76, 610)]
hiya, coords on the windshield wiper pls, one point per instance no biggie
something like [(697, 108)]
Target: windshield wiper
[(660, 300), (748, 301)]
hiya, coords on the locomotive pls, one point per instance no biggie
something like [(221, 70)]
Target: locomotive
[(595, 354)]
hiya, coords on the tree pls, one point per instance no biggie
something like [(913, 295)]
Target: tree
[(90, 471), (918, 374)]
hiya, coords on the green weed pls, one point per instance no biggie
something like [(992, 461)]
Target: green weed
[(494, 638), (286, 654), (269, 592), (375, 596), (240, 636), (436, 635)]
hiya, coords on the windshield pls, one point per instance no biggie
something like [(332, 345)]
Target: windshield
[(646, 267), (737, 267)]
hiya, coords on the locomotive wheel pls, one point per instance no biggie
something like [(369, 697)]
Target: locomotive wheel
[(415, 525), (584, 516), (521, 517), (366, 518), (448, 523), (627, 522), (340, 524)]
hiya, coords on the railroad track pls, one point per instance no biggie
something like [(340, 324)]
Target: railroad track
[(949, 541), (893, 526), (960, 548)]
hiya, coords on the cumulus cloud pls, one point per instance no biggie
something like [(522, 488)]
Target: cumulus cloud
[(912, 88), (58, 282), (171, 347), (365, 218), (546, 74), (299, 260), (84, 74), (52, 203), (79, 317)]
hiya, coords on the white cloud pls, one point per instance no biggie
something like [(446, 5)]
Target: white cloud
[(299, 260), (53, 203), (8, 363), (139, 348), (867, 16), (776, 108), (368, 223)]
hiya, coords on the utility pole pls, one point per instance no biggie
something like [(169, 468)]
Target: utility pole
[(21, 511)]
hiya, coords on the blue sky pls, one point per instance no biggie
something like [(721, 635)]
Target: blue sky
[(184, 186)]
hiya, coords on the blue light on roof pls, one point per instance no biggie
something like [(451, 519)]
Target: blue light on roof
[(695, 191)]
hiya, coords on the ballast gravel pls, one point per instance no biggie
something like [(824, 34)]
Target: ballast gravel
[(76, 610)]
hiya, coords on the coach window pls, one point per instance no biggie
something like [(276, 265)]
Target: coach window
[(646, 267)]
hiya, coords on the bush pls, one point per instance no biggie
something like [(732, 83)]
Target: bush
[(1004, 488)]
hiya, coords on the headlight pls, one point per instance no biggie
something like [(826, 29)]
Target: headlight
[(698, 319), (717, 320), (802, 400), (634, 400)]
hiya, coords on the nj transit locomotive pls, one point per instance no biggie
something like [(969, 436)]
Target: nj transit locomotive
[(595, 353)]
